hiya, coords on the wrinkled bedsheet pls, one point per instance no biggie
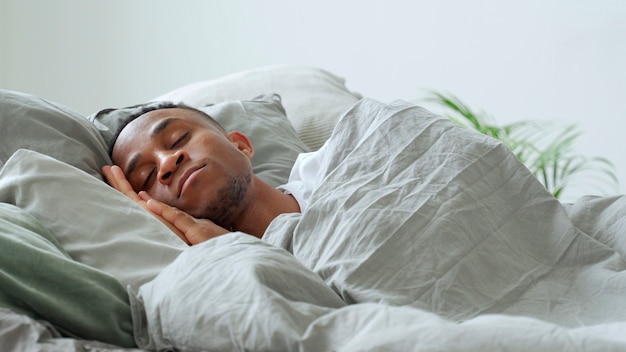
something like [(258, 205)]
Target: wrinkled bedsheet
[(421, 235)]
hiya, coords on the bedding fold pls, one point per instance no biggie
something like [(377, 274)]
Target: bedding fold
[(421, 235), (414, 210)]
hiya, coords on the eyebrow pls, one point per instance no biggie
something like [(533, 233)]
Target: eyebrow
[(156, 130)]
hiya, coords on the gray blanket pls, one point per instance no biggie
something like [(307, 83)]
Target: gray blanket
[(434, 237)]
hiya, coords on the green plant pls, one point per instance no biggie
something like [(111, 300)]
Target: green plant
[(547, 149)]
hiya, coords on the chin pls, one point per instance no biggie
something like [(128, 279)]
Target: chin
[(230, 201)]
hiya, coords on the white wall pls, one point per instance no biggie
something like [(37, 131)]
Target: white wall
[(535, 59)]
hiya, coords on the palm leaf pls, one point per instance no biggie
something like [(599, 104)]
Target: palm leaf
[(547, 149)]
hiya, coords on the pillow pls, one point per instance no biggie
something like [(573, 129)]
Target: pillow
[(263, 120), (84, 213), (40, 280), (313, 98), (30, 122), (96, 225), (275, 141)]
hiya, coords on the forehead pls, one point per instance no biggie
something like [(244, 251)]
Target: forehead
[(139, 132), (154, 117), (155, 121)]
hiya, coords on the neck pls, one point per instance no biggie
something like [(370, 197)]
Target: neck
[(265, 204)]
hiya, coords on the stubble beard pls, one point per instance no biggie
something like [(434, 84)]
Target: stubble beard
[(229, 201)]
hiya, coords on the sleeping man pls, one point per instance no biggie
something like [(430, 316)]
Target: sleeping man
[(399, 207), (180, 156)]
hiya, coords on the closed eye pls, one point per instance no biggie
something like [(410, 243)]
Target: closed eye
[(180, 139), (148, 180)]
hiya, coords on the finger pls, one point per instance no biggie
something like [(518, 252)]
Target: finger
[(179, 218), (116, 178), (156, 208), (108, 176), (118, 175), (122, 183), (144, 196), (204, 230)]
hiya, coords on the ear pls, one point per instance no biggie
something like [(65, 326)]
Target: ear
[(242, 142)]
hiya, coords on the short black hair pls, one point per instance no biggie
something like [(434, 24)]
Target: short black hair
[(144, 109)]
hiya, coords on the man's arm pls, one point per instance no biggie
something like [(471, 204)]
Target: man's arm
[(185, 226)]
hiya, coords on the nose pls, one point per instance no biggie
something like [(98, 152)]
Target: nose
[(169, 163)]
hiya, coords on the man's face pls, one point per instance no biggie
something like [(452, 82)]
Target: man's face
[(178, 157)]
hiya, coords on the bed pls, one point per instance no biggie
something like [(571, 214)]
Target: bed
[(421, 236)]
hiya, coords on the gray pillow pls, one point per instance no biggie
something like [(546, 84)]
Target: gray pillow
[(262, 119), (314, 98), (30, 122)]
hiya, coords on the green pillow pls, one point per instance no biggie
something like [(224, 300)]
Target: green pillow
[(39, 279)]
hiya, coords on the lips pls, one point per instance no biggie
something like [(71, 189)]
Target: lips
[(186, 179)]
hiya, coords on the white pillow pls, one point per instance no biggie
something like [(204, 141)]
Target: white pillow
[(314, 99), (94, 223)]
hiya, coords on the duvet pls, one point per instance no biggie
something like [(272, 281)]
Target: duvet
[(420, 236)]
